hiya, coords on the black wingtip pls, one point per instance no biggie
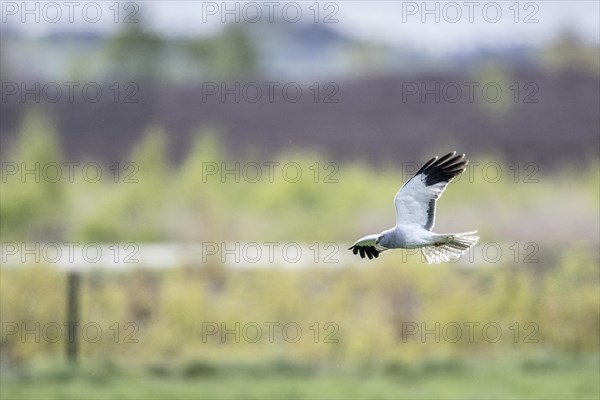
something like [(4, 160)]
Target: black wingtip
[(365, 251), (443, 169), (445, 157)]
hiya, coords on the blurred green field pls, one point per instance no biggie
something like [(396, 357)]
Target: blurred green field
[(546, 306), (489, 379), (371, 354), (372, 312)]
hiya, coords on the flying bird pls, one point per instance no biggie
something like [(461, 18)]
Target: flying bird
[(415, 215)]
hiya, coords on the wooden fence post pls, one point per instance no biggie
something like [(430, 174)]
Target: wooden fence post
[(73, 279)]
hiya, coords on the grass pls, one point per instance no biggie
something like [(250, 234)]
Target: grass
[(506, 380)]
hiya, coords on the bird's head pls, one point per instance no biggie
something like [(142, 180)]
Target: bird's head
[(385, 239)]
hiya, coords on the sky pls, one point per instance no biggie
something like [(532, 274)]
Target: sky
[(434, 26)]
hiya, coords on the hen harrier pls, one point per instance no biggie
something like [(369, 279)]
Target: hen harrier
[(415, 213)]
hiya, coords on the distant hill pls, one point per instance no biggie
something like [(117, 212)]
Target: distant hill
[(376, 119)]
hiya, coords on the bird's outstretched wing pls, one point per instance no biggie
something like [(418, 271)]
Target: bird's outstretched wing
[(415, 201), (367, 246)]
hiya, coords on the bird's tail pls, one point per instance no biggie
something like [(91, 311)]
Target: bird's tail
[(449, 247)]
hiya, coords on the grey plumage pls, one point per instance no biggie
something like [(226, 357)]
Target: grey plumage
[(415, 216)]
